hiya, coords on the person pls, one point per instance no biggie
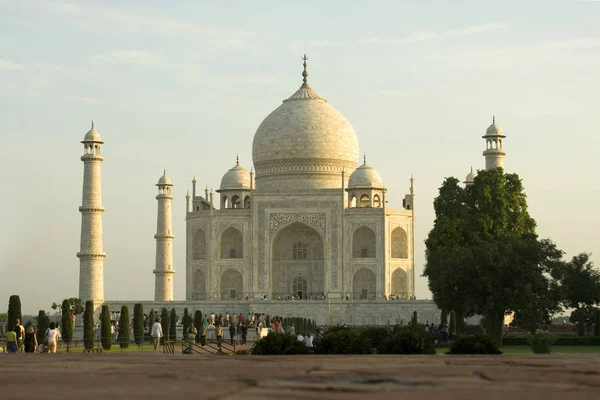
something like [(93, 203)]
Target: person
[(308, 340), (52, 336), (11, 340), (244, 330), (156, 333), (219, 334), (30, 341), (20, 331), (232, 333), (300, 338), (203, 335), (191, 336)]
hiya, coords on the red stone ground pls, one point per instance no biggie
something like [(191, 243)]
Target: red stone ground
[(150, 375)]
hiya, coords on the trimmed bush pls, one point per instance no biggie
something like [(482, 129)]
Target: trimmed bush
[(415, 319), (344, 341), (173, 325), (278, 344), (198, 323), (66, 330), (138, 323), (597, 323), (541, 342), (105, 335), (377, 337), (165, 323), (88, 325), (474, 344), (186, 320), (14, 310), (408, 340), (473, 329), (151, 319), (43, 324), (124, 328)]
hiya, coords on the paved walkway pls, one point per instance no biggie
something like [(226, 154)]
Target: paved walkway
[(149, 375)]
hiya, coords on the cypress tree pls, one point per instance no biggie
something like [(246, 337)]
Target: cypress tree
[(88, 325), (173, 326), (415, 320), (452, 326), (138, 323), (164, 322), (14, 310), (66, 323), (105, 335), (43, 324), (198, 322), (581, 325), (124, 328), (186, 322)]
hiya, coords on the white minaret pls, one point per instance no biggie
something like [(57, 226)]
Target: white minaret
[(91, 254), (163, 288), (494, 153)]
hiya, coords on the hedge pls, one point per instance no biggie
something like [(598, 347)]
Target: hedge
[(560, 341)]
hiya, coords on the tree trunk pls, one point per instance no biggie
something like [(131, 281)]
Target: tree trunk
[(460, 322), (495, 327), (581, 325)]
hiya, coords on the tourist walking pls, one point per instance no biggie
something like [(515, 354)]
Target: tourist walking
[(156, 333), (232, 333), (30, 342), (192, 332), (11, 340), (20, 331), (219, 334), (52, 336), (203, 335), (308, 340)]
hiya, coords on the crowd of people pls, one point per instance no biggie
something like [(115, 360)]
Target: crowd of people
[(20, 339)]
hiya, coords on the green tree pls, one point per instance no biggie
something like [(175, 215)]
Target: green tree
[(584, 317), (43, 325), (138, 323), (165, 323), (88, 325), (452, 325), (597, 323), (173, 325), (75, 303), (66, 324), (415, 319), (14, 310), (105, 331), (186, 322), (124, 328), (483, 255), (581, 285), (198, 323), (151, 319)]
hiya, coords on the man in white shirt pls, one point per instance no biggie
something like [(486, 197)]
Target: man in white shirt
[(300, 338), (156, 333), (308, 341)]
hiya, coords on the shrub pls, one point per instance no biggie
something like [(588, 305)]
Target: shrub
[(173, 326), (124, 328), (138, 323), (415, 319), (43, 324), (597, 323), (474, 344), (14, 310), (408, 340), (88, 325), (541, 342), (473, 329), (515, 341), (344, 341), (377, 337), (105, 335), (279, 344), (186, 320), (242, 353), (198, 323), (164, 322), (66, 323)]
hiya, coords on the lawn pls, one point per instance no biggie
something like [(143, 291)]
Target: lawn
[(555, 350)]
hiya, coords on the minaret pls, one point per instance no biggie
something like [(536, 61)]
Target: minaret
[(163, 288), (494, 153), (91, 254)]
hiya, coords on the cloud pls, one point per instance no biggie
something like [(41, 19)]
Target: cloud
[(10, 66), (111, 20), (452, 33)]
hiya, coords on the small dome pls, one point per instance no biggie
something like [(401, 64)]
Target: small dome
[(236, 178), (471, 176), (493, 129), (92, 136), (164, 180), (365, 176)]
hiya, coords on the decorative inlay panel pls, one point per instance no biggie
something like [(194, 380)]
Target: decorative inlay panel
[(315, 220)]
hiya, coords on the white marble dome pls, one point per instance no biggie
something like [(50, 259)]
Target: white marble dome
[(92, 136), (494, 129), (471, 176), (236, 178), (304, 143), (164, 180), (365, 176)]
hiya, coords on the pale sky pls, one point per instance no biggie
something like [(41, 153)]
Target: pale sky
[(184, 85)]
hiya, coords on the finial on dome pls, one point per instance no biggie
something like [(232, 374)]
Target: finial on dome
[(305, 72), (164, 172), (92, 124), (237, 159), (471, 169), (194, 180), (493, 119), (365, 157)]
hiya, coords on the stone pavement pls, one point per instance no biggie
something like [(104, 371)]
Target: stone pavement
[(151, 375)]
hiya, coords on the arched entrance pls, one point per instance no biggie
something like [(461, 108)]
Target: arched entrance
[(199, 285), (363, 284), (232, 284), (297, 262), (400, 284)]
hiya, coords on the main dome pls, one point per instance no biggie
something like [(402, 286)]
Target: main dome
[(304, 143)]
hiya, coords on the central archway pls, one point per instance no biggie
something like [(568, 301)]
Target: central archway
[(363, 284), (232, 284), (297, 255)]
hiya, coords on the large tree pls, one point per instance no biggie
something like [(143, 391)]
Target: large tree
[(173, 325), (14, 310), (165, 323), (483, 255), (43, 325), (105, 331), (66, 324), (75, 303), (138, 323), (581, 286), (124, 328), (88, 325)]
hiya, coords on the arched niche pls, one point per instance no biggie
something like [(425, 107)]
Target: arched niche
[(232, 243), (364, 243), (363, 284), (232, 284), (400, 283), (399, 243), (199, 245)]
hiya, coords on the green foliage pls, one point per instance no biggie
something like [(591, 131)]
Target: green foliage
[(408, 340), (452, 325), (75, 303), (3, 317), (124, 328), (88, 325), (597, 323), (173, 325), (415, 319), (473, 329), (105, 325), (377, 337), (66, 322), (138, 323), (474, 344), (43, 325), (186, 320), (587, 313), (541, 342), (165, 322), (14, 310), (151, 318), (344, 341), (198, 321), (561, 340), (279, 344)]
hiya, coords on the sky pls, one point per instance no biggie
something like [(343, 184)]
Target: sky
[(184, 85)]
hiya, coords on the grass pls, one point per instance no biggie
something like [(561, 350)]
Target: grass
[(555, 350)]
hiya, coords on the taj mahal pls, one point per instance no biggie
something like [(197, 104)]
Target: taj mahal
[(305, 232)]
